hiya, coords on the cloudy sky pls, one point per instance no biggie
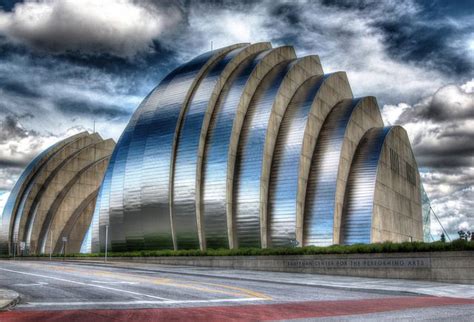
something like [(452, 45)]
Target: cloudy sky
[(66, 63)]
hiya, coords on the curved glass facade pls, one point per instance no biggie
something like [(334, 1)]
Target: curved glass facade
[(358, 207), (244, 146), (184, 183), (336, 145), (320, 195), (225, 129), (219, 155), (286, 162), (216, 155), (426, 215), (135, 195), (248, 167)]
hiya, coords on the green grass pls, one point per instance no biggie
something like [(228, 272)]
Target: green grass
[(387, 247)]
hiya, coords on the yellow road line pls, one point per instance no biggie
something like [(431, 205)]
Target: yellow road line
[(244, 290), (164, 281), (193, 285)]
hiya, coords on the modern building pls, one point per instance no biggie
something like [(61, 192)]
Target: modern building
[(52, 203), (243, 146), (249, 146)]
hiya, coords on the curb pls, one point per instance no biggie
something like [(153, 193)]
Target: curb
[(438, 289), (261, 280), (422, 291), (8, 299)]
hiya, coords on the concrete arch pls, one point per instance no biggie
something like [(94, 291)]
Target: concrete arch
[(78, 235), (301, 71), (382, 202), (255, 144), (397, 201), (70, 198), (295, 144), (175, 142), (221, 152), (10, 211), (338, 139), (143, 159), (60, 181), (82, 213), (54, 164), (221, 144), (336, 89), (189, 151)]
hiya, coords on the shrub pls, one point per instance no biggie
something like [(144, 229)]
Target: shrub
[(386, 247)]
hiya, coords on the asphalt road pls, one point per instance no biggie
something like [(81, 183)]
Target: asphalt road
[(96, 292)]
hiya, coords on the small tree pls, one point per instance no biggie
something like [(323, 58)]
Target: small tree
[(462, 235), (443, 238)]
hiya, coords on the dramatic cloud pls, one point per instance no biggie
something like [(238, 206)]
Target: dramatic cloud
[(11, 129), (3, 200), (367, 39), (448, 103), (51, 96), (452, 199), (441, 129), (121, 28), (441, 126), (18, 146), (65, 64), (8, 177)]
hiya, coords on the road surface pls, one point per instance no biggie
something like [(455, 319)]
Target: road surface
[(78, 291)]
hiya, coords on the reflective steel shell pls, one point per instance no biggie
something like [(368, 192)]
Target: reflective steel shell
[(337, 141), (245, 146)]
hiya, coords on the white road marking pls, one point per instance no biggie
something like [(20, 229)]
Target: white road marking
[(86, 284), (32, 284), (59, 304), (115, 282)]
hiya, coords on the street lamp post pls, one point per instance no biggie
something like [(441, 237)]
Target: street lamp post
[(50, 245), (106, 241), (64, 247)]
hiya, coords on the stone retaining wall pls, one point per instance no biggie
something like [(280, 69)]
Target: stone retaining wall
[(451, 267)]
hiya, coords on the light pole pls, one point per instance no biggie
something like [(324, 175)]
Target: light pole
[(51, 245), (64, 247), (106, 241)]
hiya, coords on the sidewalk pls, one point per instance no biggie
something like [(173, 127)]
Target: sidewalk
[(8, 298), (379, 285)]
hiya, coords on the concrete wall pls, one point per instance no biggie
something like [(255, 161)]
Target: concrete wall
[(61, 182), (450, 267), (44, 182), (397, 202), (73, 182)]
